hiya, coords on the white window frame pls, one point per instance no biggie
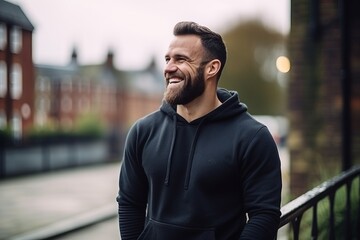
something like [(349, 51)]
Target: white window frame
[(66, 104), (3, 79), (16, 126), (3, 120), (3, 36), (15, 39), (16, 81)]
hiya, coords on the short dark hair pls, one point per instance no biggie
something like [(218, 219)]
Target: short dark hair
[(212, 42)]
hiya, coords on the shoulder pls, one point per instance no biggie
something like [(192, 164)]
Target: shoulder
[(147, 123), (247, 123), (150, 119), (250, 130)]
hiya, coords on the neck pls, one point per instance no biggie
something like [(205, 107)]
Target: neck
[(199, 107)]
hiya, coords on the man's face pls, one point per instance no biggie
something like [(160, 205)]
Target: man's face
[(184, 71)]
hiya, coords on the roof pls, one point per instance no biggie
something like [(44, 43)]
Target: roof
[(145, 82), (55, 73), (103, 74), (13, 14), (148, 80)]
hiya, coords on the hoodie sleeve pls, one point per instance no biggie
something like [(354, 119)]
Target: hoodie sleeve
[(132, 197), (262, 187)]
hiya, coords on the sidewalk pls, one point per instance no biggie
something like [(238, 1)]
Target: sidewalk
[(44, 205)]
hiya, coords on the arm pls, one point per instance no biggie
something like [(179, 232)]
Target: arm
[(132, 198), (262, 187)]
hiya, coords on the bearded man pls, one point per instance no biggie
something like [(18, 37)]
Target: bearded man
[(200, 167)]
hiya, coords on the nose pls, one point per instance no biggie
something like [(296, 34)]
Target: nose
[(170, 67)]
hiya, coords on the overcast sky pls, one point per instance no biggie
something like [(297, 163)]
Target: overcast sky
[(135, 30)]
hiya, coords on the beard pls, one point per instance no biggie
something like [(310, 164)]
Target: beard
[(191, 89)]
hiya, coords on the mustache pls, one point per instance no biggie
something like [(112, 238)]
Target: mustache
[(169, 76)]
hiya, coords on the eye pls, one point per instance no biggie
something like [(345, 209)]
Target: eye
[(181, 60), (167, 59)]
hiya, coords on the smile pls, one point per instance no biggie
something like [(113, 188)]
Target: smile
[(174, 80)]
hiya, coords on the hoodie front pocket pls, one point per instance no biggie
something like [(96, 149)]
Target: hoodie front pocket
[(155, 230)]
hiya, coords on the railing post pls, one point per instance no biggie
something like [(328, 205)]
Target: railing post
[(358, 214), (296, 226), (293, 211), (332, 216), (314, 226), (348, 227)]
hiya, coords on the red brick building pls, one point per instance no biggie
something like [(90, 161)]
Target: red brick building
[(16, 69), (115, 97), (58, 96)]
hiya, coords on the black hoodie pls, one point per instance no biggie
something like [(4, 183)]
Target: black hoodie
[(198, 180)]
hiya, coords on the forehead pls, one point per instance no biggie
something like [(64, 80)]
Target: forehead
[(188, 45)]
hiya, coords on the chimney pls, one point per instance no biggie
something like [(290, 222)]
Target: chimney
[(74, 55), (110, 59)]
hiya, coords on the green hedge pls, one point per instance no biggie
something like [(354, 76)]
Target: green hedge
[(85, 127)]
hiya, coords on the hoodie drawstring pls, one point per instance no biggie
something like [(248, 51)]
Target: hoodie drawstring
[(167, 176), (191, 156)]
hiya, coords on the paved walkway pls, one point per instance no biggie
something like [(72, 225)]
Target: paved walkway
[(39, 206)]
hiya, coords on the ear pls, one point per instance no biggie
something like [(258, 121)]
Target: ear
[(212, 68)]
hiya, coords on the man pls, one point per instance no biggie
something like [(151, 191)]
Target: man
[(201, 167)]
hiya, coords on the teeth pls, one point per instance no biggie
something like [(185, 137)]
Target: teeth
[(174, 80)]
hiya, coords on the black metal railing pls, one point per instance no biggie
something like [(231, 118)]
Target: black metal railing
[(293, 211)]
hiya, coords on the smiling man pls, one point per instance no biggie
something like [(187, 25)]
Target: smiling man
[(200, 167)]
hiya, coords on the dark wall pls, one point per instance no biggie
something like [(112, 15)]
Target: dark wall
[(316, 97)]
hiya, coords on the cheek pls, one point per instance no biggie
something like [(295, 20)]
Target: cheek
[(188, 70), (190, 75), (183, 74)]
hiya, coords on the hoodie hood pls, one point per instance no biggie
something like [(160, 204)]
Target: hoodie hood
[(230, 107)]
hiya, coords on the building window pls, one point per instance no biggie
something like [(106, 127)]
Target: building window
[(15, 40), (2, 119), (40, 85), (16, 125), (43, 84), (16, 81), (3, 79), (3, 36), (66, 86), (66, 104), (41, 104)]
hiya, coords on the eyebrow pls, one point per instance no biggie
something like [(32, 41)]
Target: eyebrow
[(177, 56)]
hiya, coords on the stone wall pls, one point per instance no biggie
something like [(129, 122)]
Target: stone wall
[(17, 161)]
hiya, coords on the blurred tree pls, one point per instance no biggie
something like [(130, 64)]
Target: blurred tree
[(251, 67)]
